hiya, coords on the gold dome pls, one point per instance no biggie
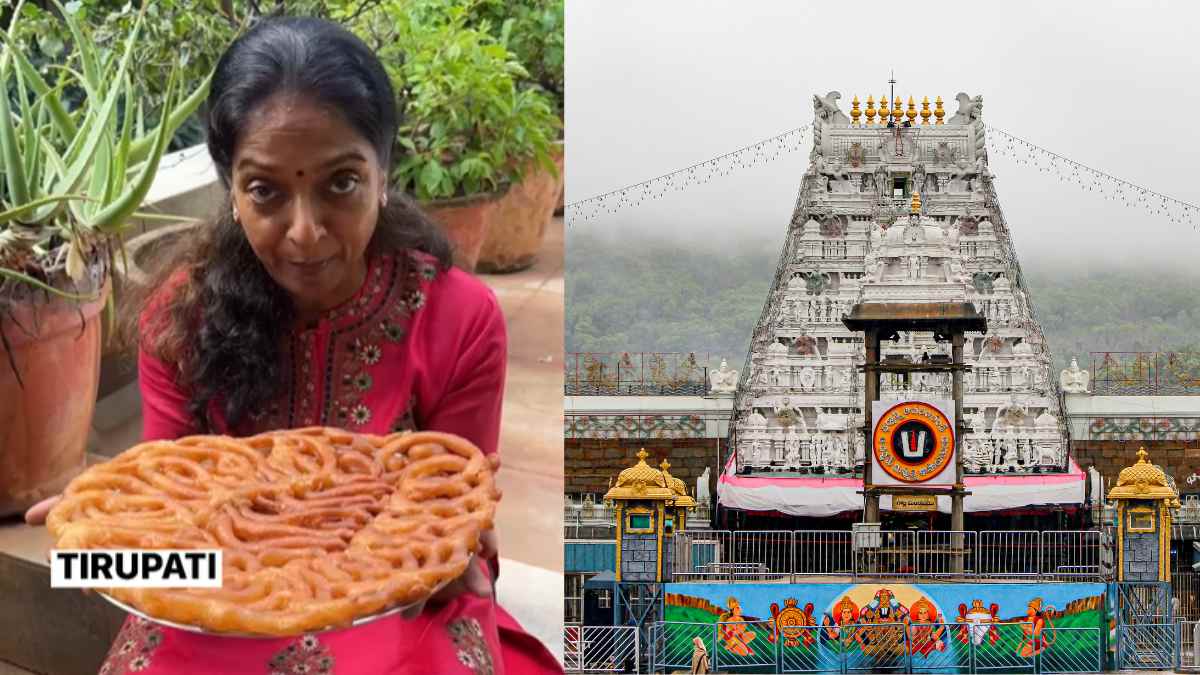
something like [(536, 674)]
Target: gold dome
[(641, 481), (682, 498), (1143, 480), (916, 203)]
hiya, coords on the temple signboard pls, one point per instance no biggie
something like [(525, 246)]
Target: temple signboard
[(912, 443)]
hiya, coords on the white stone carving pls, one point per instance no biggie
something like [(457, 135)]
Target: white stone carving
[(724, 380), (1074, 380), (969, 109), (703, 495), (879, 252)]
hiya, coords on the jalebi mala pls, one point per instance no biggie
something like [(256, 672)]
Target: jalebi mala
[(318, 526)]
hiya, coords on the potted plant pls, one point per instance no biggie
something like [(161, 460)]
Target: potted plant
[(533, 31), (72, 179), (470, 130)]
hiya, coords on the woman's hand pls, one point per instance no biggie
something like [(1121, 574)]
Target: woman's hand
[(36, 515), (474, 580)]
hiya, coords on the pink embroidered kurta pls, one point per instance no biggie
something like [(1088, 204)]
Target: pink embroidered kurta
[(416, 348)]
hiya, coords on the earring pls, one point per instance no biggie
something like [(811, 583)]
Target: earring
[(236, 217), (383, 200)]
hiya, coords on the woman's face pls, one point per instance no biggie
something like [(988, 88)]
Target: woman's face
[(306, 190)]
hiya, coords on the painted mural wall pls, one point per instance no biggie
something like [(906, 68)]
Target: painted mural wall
[(928, 627)]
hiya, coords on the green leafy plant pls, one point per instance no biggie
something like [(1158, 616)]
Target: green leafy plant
[(469, 128), (533, 31), (73, 178)]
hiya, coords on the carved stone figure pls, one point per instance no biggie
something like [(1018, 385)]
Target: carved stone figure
[(826, 109), (960, 177), (855, 155), (703, 496), (881, 181), (724, 380), (1074, 380), (791, 459), (788, 414), (762, 454), (942, 154), (969, 109)]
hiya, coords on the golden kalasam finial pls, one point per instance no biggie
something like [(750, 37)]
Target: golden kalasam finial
[(897, 110), (870, 111), (665, 464), (925, 112), (1142, 455), (939, 113), (912, 111), (855, 113), (883, 111), (916, 203), (642, 454)]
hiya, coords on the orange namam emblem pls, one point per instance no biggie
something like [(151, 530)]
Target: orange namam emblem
[(913, 442)]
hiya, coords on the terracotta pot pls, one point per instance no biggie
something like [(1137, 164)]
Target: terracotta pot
[(466, 221), (142, 252), (515, 237), (44, 424)]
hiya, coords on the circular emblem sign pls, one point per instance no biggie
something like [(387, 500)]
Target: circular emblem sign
[(913, 442)]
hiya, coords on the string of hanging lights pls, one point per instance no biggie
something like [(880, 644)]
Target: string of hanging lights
[(1023, 152), (1091, 179), (766, 150)]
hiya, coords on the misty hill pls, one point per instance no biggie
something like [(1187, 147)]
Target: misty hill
[(643, 294)]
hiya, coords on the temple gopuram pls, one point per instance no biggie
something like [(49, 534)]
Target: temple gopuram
[(897, 206)]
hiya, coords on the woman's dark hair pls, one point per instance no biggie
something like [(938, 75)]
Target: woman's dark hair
[(225, 324)]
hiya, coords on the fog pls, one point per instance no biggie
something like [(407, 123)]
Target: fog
[(656, 86)]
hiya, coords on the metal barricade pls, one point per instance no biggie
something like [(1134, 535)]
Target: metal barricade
[(766, 554), (889, 554), (671, 644), (1147, 646), (944, 554), (932, 649), (1189, 645), (770, 555), (1073, 555), (1186, 591), (1004, 648), (822, 553), (743, 645), (1073, 650), (804, 649), (601, 649), (1014, 554), (882, 647)]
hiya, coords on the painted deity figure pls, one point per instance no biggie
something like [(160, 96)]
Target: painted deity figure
[(924, 634), (884, 608), (1034, 629), (837, 626), (735, 636)]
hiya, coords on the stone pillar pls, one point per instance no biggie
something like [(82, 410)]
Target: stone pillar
[(871, 499)]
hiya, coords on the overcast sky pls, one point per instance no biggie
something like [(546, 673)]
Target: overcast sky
[(655, 85)]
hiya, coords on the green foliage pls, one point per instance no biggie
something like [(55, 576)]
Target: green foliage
[(74, 177), (649, 295), (533, 31), (468, 127), (645, 295)]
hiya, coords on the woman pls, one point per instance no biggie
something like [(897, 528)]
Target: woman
[(318, 298), (699, 656)]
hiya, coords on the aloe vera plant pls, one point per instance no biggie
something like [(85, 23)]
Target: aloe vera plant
[(72, 180)]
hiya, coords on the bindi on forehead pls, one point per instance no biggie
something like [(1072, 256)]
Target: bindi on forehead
[(300, 174)]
